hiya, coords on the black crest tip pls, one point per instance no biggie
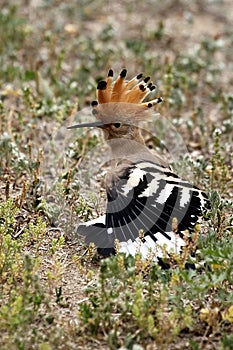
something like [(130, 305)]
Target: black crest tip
[(142, 87), (123, 73), (102, 85), (139, 76), (94, 103), (146, 79), (110, 73)]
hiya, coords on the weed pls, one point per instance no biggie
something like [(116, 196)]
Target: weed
[(219, 172)]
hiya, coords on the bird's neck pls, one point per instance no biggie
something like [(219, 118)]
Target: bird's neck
[(126, 148), (133, 151)]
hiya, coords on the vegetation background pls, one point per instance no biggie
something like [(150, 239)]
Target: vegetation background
[(55, 293)]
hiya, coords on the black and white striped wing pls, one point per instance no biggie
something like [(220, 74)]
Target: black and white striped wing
[(144, 200)]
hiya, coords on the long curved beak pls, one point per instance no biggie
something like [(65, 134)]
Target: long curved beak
[(97, 124)]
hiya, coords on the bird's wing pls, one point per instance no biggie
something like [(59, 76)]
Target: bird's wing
[(145, 199)]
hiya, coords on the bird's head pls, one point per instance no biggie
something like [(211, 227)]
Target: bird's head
[(121, 105)]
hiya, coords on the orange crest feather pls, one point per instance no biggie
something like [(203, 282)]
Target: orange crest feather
[(124, 93), (133, 91)]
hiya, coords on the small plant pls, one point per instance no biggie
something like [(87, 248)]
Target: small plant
[(219, 171), (84, 209), (125, 300), (22, 308)]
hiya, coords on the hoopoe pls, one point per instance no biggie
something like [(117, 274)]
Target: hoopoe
[(144, 197)]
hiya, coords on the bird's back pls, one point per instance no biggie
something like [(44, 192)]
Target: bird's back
[(149, 210)]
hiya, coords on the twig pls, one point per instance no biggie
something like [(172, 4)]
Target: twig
[(55, 229), (19, 232)]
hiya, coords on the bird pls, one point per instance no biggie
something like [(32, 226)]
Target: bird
[(150, 210)]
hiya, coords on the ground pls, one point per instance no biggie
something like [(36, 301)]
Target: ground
[(55, 292)]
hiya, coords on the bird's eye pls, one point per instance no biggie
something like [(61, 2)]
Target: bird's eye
[(117, 125)]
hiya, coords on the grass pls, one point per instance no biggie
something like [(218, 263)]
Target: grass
[(56, 293)]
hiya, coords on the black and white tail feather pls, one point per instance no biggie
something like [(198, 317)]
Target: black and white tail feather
[(144, 196), (141, 210)]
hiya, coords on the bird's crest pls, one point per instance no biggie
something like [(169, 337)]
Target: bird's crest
[(124, 100)]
